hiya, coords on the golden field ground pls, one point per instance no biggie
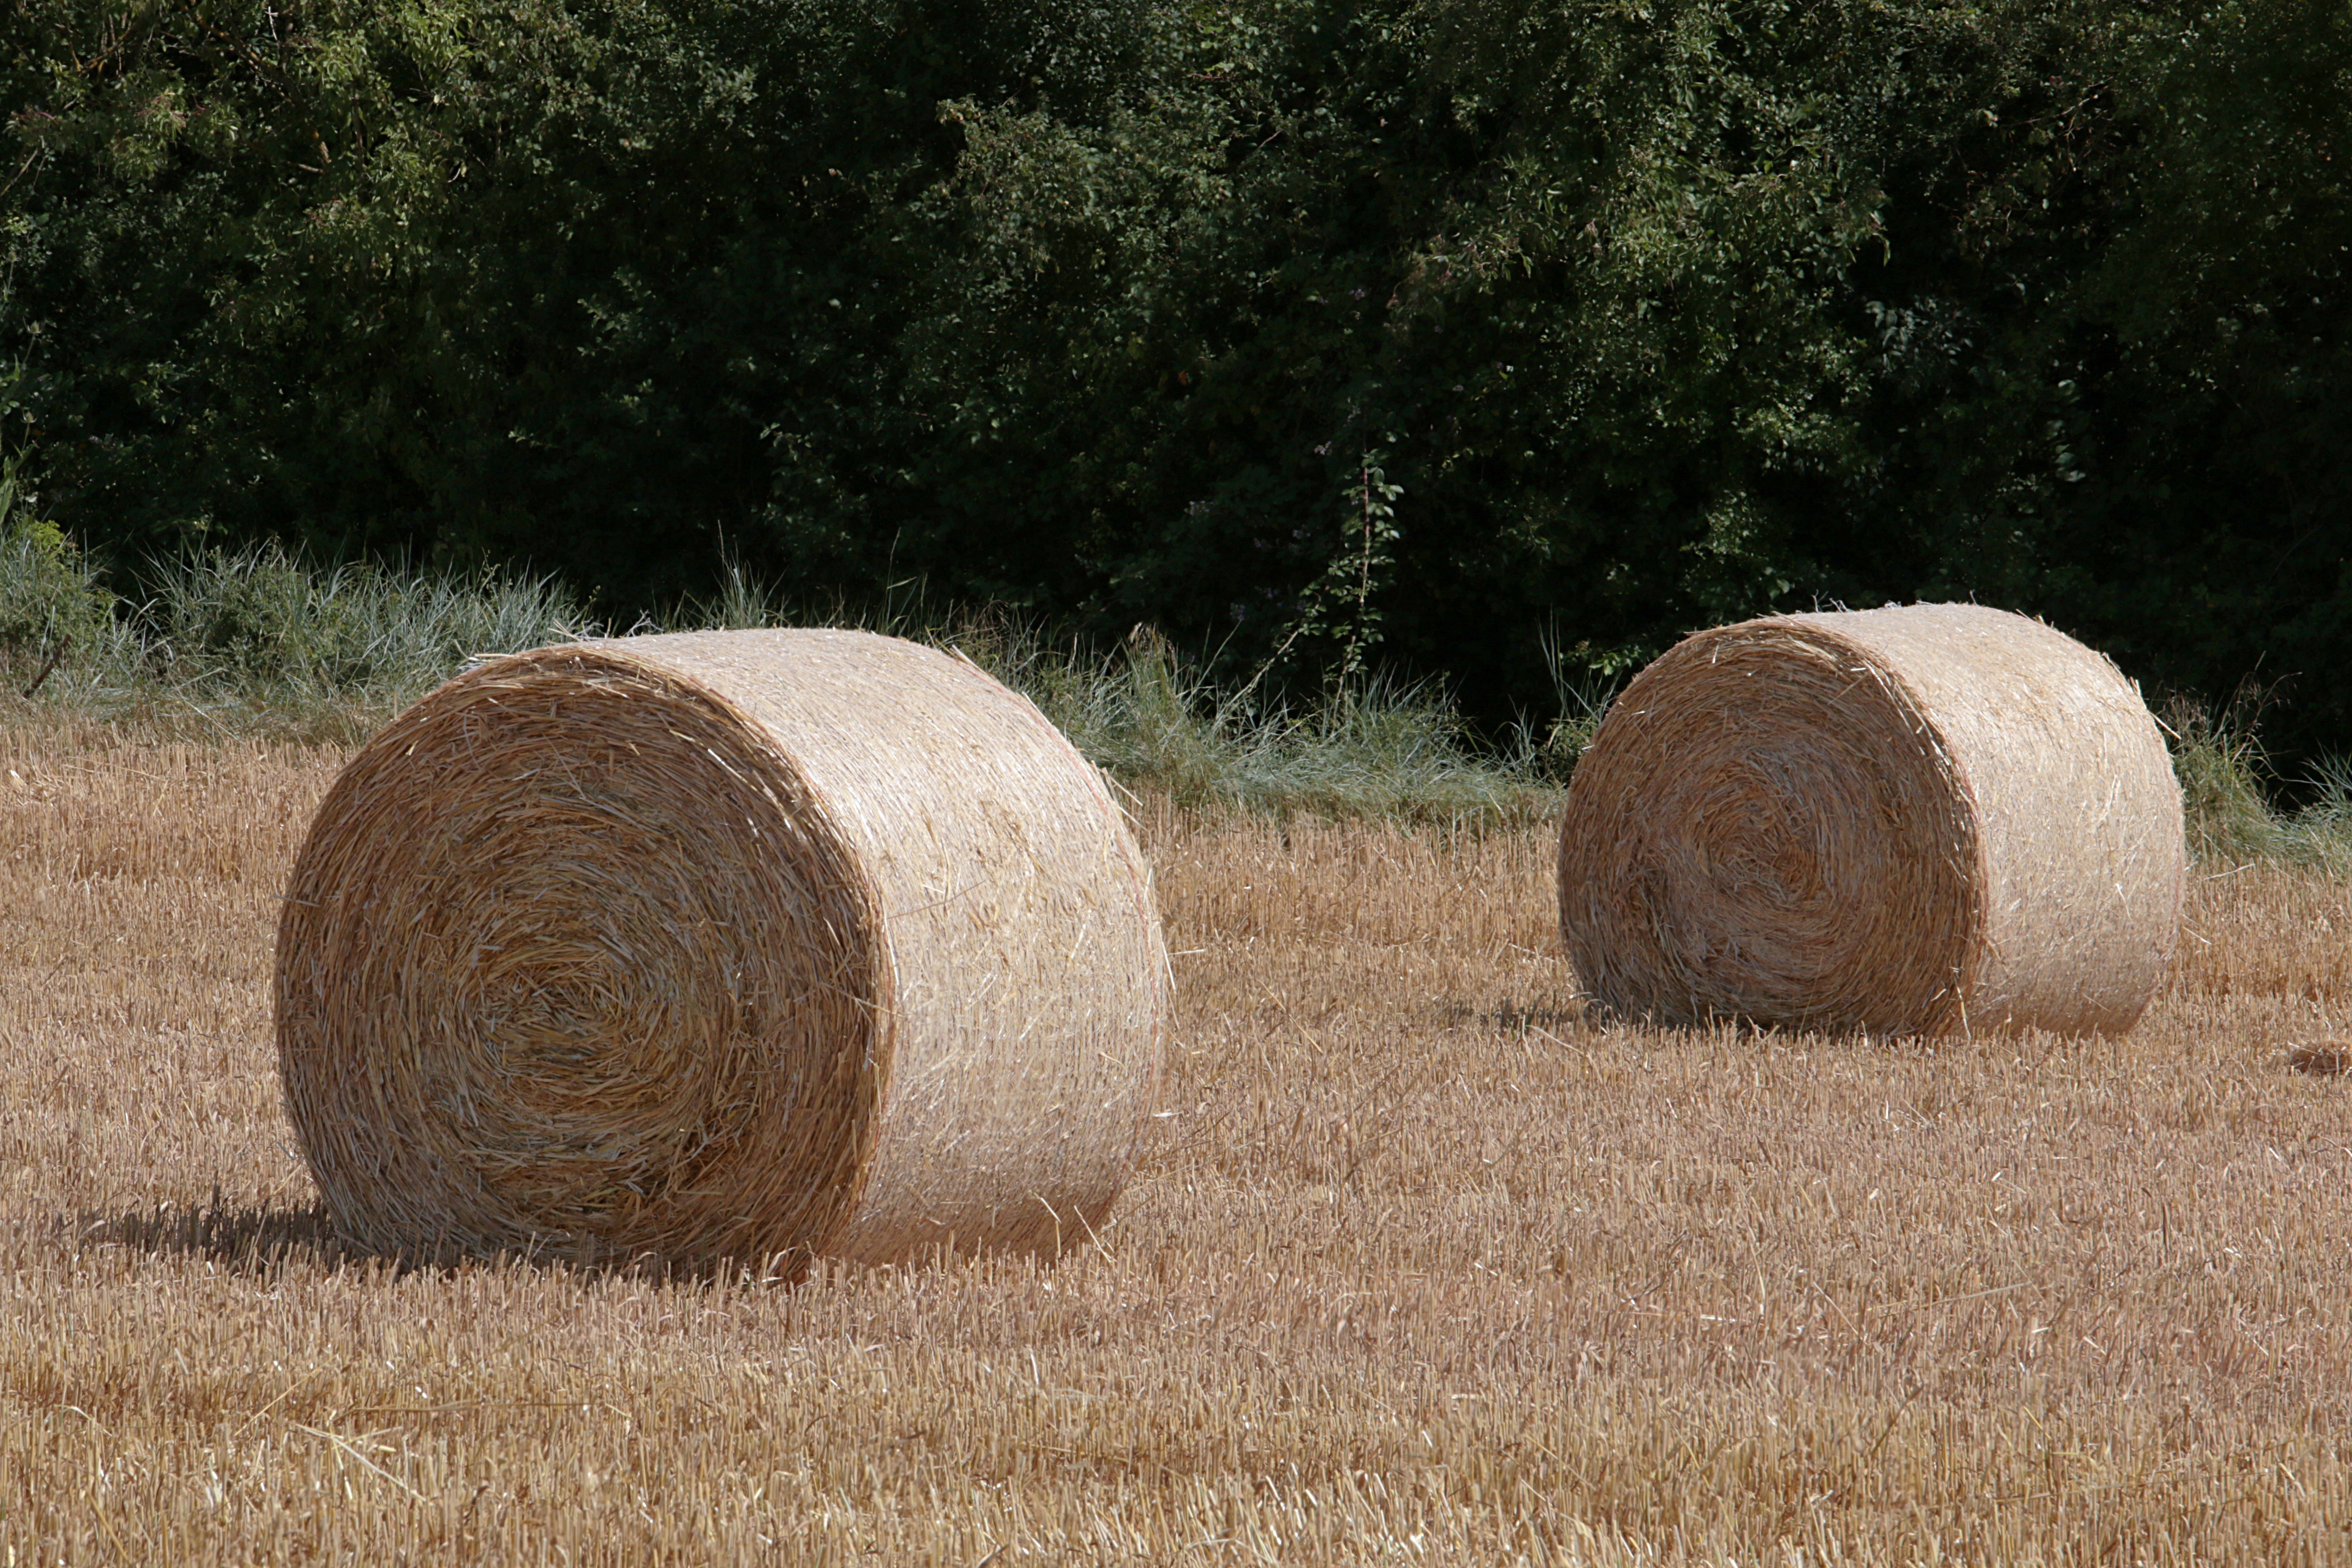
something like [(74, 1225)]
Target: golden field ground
[(1418, 1266)]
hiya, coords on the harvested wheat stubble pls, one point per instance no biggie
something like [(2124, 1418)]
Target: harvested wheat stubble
[(1923, 819), (716, 948)]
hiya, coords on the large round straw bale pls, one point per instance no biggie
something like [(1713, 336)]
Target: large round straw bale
[(721, 947), (1929, 819)]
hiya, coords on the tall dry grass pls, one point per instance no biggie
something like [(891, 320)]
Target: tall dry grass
[(1421, 1266)]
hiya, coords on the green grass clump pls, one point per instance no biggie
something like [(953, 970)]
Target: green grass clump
[(2220, 766), (259, 641), (50, 603), (339, 646), (1372, 748), (1150, 717), (2228, 788)]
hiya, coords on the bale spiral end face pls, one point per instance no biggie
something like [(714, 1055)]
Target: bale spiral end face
[(720, 950), (1929, 819)]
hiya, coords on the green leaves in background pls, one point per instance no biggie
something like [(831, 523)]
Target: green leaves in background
[(1657, 315)]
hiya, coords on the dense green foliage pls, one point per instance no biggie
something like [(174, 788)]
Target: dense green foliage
[(49, 603), (1432, 336)]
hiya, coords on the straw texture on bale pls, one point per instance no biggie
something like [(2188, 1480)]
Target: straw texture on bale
[(721, 947), (1927, 820)]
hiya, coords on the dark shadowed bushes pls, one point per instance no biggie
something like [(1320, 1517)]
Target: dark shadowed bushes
[(1328, 337)]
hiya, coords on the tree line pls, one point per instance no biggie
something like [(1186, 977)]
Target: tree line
[(1482, 339)]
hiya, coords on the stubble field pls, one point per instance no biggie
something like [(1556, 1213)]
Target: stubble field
[(1419, 1266)]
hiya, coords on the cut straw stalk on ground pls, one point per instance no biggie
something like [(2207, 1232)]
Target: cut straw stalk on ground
[(1419, 1268)]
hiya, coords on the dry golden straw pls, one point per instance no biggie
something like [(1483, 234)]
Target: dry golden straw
[(724, 947), (1927, 820)]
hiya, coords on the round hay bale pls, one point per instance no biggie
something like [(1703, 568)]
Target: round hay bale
[(1929, 819), (721, 947)]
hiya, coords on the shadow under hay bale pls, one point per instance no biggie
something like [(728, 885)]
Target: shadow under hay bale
[(1931, 820), (244, 1237), (716, 949)]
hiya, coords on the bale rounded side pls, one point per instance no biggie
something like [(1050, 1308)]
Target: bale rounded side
[(1919, 819), (723, 947)]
